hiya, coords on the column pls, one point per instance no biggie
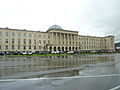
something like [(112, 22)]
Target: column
[(64, 38), (68, 37), (60, 39), (52, 37), (56, 41), (56, 36)]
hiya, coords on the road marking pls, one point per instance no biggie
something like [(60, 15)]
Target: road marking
[(117, 87), (58, 78)]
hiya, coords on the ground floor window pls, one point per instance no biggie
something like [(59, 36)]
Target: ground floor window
[(24, 47), (6, 47), (12, 46)]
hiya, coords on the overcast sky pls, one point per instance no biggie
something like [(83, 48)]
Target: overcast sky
[(90, 17)]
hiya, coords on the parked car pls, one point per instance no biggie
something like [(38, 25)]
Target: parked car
[(53, 52), (70, 52), (24, 53), (29, 53), (56, 52), (93, 51)]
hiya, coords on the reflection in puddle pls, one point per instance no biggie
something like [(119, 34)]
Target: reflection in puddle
[(62, 74), (10, 66)]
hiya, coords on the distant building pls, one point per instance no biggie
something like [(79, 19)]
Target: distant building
[(54, 39), (117, 46)]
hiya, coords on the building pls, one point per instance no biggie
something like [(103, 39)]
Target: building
[(54, 39)]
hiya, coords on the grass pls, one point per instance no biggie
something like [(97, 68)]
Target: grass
[(58, 54), (38, 55)]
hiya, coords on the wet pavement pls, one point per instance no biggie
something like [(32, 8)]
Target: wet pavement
[(78, 72)]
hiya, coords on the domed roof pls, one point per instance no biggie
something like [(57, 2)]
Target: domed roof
[(55, 27)]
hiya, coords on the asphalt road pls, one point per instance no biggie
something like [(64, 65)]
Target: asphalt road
[(98, 82), (99, 77)]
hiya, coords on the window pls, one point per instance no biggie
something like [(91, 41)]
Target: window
[(39, 47), (6, 47), (19, 47), (24, 47), (18, 41), (69, 38), (30, 41), (39, 41), (76, 38), (72, 37), (66, 42), (48, 36), (6, 40), (30, 36), (44, 36), (34, 41), (13, 40), (13, 34), (34, 35), (48, 42), (29, 47), (44, 47), (0, 40), (6, 34), (19, 35), (12, 46), (39, 36), (24, 40), (24, 35), (44, 42), (34, 47), (0, 33)]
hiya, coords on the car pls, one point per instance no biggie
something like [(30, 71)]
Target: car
[(29, 53), (24, 53), (70, 52), (93, 51), (55, 52)]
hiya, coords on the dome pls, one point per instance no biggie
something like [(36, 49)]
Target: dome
[(55, 27)]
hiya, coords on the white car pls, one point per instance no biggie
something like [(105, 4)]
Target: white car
[(55, 52), (30, 53), (70, 52), (24, 53)]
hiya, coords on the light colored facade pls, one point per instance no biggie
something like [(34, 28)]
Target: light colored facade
[(54, 39)]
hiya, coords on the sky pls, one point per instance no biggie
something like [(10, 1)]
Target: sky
[(89, 17)]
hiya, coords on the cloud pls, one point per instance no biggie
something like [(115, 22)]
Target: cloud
[(90, 17)]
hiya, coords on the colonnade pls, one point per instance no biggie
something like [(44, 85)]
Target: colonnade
[(63, 42)]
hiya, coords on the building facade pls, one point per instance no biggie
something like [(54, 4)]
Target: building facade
[(54, 39)]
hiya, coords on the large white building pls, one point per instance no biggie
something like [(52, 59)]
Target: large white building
[(54, 39)]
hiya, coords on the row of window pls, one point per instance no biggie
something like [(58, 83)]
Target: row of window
[(79, 43), (24, 47), (24, 35), (24, 41), (62, 37), (39, 47), (91, 39), (91, 47), (75, 38)]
